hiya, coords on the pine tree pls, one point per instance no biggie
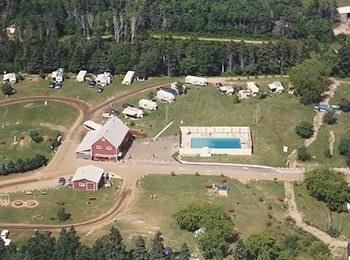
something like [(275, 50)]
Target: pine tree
[(140, 252), (157, 251), (184, 253)]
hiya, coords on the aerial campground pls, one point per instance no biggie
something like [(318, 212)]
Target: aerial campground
[(154, 130)]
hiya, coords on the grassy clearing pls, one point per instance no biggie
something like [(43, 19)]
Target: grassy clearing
[(174, 192), (76, 203), (19, 119)]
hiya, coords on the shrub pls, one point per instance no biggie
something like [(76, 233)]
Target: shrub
[(35, 136), (344, 104), (303, 154), (329, 118), (327, 153), (344, 147), (304, 129)]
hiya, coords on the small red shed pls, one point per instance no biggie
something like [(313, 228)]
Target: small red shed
[(87, 177)]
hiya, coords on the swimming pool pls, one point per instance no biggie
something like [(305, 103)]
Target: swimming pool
[(216, 142)]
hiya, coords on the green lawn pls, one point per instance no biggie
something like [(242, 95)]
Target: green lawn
[(19, 119), (76, 203)]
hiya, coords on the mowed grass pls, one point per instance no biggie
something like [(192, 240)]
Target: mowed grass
[(19, 119), (76, 203), (175, 192), (317, 214)]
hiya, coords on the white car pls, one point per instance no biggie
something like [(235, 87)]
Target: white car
[(4, 234)]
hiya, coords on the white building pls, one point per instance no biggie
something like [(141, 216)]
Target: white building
[(276, 87), (104, 79), (252, 88), (132, 112), (10, 78)]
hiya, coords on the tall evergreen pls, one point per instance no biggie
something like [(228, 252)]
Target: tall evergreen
[(140, 252), (157, 250)]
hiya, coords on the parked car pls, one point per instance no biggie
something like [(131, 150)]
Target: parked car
[(92, 83), (70, 180), (51, 84), (58, 85), (61, 181), (100, 89)]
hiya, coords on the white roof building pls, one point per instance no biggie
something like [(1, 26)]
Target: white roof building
[(252, 88), (88, 172)]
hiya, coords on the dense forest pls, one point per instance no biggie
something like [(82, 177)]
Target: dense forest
[(116, 35)]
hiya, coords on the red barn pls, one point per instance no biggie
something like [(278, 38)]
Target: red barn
[(108, 143), (87, 177)]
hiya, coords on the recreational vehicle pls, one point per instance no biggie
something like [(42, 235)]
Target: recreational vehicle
[(81, 76), (129, 77), (148, 104), (165, 96), (132, 112), (196, 80)]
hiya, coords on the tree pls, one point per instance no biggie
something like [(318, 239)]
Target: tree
[(35, 136), (240, 251), (184, 253), (329, 118), (39, 247), (304, 129), (67, 245), (62, 215), (7, 89), (262, 246), (344, 104), (114, 247), (310, 79), (140, 252), (344, 147), (189, 217), (157, 250), (303, 154), (329, 186)]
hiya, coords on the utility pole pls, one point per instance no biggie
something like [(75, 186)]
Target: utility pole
[(166, 114)]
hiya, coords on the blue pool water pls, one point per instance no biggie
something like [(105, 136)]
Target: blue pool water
[(216, 142)]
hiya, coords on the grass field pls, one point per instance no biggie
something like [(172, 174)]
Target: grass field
[(19, 119), (76, 203)]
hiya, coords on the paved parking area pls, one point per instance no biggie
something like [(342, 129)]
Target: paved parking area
[(161, 149)]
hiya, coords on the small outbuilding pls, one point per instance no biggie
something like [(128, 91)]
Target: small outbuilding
[(129, 77), (104, 79), (252, 88), (276, 87), (10, 78), (88, 177), (344, 13)]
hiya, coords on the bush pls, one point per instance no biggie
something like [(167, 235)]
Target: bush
[(304, 129), (329, 118), (35, 136), (344, 104), (327, 153), (303, 154), (344, 147)]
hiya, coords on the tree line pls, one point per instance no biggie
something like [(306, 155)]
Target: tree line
[(115, 36)]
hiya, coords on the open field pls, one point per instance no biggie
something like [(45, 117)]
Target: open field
[(19, 119), (76, 203)]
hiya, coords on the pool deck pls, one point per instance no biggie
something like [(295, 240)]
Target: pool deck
[(188, 132)]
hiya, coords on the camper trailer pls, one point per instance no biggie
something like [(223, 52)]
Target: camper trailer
[(179, 87), (148, 104), (129, 78), (165, 96), (132, 112), (104, 79), (194, 80), (81, 76)]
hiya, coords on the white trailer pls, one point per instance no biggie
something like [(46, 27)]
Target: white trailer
[(194, 80), (165, 96), (129, 77), (147, 104), (81, 76), (132, 112)]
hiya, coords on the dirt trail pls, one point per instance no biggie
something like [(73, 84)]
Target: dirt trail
[(336, 245), (318, 120)]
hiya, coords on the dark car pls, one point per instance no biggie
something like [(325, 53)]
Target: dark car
[(92, 83), (100, 89), (61, 181), (58, 85), (51, 84), (125, 105)]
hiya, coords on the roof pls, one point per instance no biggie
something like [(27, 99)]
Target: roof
[(344, 10), (132, 111), (81, 74), (252, 87), (88, 172), (92, 125), (114, 131), (276, 85)]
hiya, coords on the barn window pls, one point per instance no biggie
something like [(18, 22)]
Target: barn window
[(103, 139), (81, 184), (98, 147), (108, 148)]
